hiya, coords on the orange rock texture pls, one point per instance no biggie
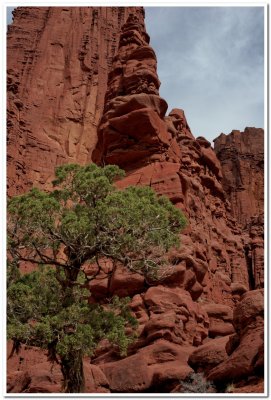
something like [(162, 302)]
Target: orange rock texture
[(58, 59), (203, 312)]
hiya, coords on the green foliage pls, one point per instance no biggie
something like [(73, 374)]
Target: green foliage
[(36, 316), (13, 272), (85, 219), (88, 217)]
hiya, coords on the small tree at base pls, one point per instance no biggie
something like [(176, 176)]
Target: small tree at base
[(39, 315), (86, 219)]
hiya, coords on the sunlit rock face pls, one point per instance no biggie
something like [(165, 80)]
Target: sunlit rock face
[(58, 59)]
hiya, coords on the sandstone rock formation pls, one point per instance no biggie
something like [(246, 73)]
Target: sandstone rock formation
[(154, 367), (161, 152), (209, 355), (241, 355), (242, 160), (245, 350), (58, 59), (200, 314), (241, 155), (33, 373)]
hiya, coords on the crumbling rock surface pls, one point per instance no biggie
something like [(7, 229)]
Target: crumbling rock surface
[(210, 354), (132, 128), (174, 316), (221, 318), (58, 59), (156, 367), (200, 313)]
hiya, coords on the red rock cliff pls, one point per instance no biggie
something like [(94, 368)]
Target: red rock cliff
[(200, 314), (210, 271), (242, 160), (162, 152), (58, 60), (241, 155)]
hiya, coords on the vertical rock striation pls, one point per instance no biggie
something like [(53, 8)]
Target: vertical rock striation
[(242, 160), (241, 155), (58, 63), (58, 60)]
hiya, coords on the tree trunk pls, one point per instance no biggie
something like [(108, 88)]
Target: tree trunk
[(73, 372)]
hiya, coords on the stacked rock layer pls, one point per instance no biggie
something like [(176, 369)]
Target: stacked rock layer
[(193, 305), (201, 314)]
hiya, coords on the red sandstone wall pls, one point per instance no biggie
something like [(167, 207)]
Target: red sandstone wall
[(188, 318), (242, 160), (161, 152), (58, 60)]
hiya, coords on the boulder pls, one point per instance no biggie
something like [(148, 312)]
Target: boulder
[(153, 366), (125, 283), (208, 355), (246, 352)]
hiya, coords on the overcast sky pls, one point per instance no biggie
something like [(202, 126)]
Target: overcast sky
[(9, 14), (211, 64)]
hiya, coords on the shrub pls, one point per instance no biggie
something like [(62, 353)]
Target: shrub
[(196, 383)]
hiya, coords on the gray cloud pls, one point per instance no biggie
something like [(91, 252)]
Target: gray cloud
[(210, 63), (9, 15)]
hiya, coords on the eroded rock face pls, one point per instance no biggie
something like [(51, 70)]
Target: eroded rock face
[(58, 59), (242, 160), (158, 367), (255, 251), (246, 350), (210, 354), (174, 316), (132, 128), (192, 304), (31, 372), (161, 152), (192, 316)]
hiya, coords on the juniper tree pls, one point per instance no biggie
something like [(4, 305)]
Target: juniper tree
[(85, 219), (40, 315)]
